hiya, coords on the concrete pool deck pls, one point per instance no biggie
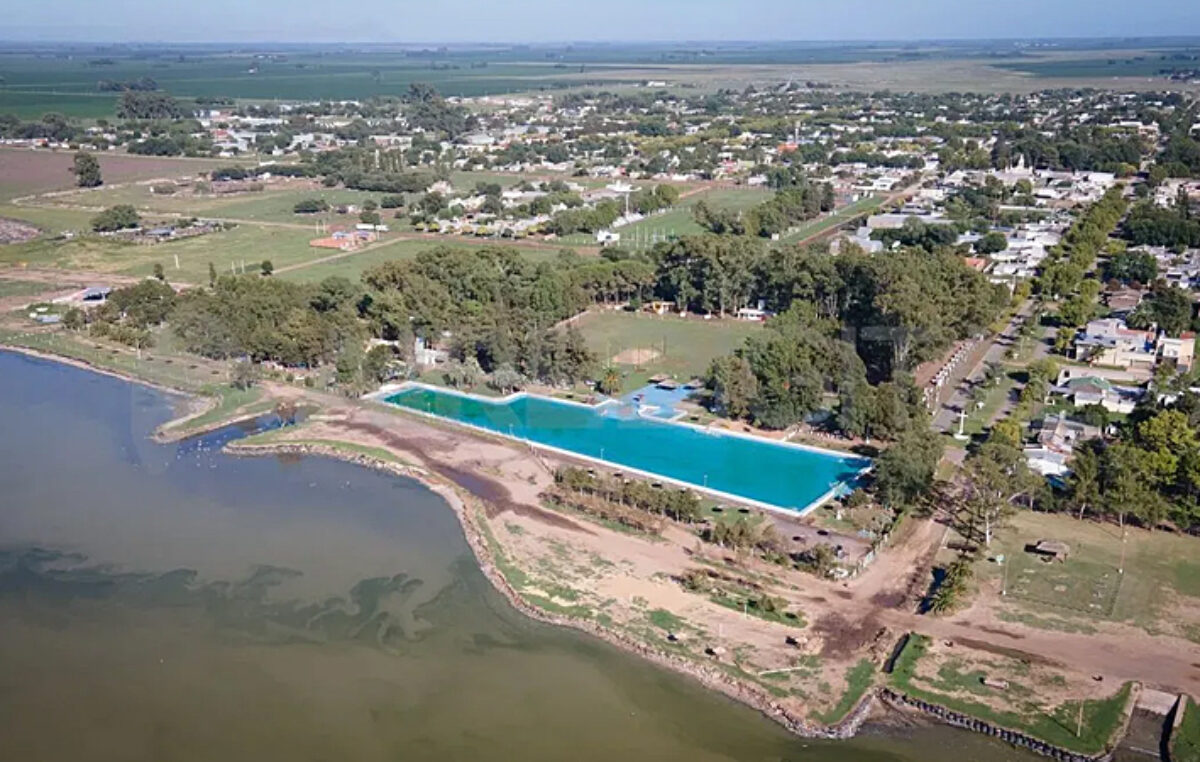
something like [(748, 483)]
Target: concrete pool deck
[(389, 392)]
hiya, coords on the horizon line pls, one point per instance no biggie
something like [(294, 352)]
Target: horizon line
[(613, 41)]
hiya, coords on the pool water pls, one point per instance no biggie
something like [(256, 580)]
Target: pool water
[(759, 471)]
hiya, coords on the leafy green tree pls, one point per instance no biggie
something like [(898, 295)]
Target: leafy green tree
[(906, 470), (995, 475), (733, 385), (87, 170), (119, 217), (610, 381), (506, 379), (991, 243), (267, 268), (244, 374)]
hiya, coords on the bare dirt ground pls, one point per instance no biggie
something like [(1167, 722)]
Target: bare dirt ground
[(575, 563), (16, 231), (636, 356)]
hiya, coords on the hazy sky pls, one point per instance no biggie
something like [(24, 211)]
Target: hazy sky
[(567, 20)]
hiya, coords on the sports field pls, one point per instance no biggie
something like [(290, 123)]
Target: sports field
[(644, 345)]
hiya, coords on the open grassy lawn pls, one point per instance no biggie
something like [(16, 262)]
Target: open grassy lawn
[(739, 199), (644, 345), (275, 204), (863, 206), (228, 250), (249, 243), (23, 288), (1158, 591), (178, 372), (859, 678), (50, 220), (1038, 700)]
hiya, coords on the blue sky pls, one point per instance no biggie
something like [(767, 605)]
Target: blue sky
[(566, 20)]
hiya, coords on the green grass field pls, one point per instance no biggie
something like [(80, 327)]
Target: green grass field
[(23, 288), (690, 343), (50, 220), (188, 373), (1159, 590), (248, 243), (353, 266), (32, 104), (1185, 744), (678, 220)]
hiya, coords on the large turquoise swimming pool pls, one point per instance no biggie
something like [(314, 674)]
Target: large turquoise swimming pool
[(755, 470)]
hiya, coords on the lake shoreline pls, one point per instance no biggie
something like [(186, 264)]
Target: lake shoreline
[(710, 678), (440, 473)]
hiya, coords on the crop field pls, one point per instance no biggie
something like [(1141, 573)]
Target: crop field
[(24, 171), (1159, 589), (644, 345), (1118, 64), (34, 84)]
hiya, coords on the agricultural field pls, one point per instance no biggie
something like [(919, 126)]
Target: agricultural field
[(1142, 63), (644, 345), (24, 171), (32, 104), (1063, 708), (1159, 589), (34, 84)]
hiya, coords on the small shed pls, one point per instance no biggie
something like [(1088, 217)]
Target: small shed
[(1052, 549)]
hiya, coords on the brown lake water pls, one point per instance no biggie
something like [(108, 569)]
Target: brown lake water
[(173, 603)]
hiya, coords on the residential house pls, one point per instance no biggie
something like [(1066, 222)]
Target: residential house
[(1093, 390), (1110, 342), (1182, 350), (1056, 441)]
